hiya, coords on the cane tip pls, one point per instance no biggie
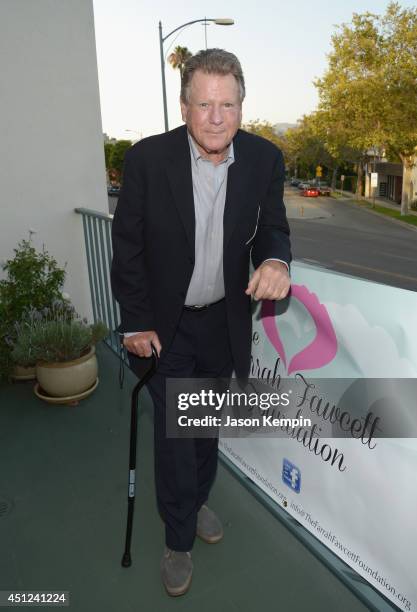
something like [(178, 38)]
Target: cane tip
[(126, 560)]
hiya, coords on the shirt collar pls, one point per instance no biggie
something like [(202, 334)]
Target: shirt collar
[(197, 155)]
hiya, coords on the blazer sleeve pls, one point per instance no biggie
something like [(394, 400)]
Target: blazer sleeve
[(129, 279), (272, 239)]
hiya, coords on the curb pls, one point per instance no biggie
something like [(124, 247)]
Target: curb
[(413, 228)]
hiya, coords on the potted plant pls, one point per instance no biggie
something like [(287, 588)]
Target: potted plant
[(20, 341), (34, 280), (63, 347)]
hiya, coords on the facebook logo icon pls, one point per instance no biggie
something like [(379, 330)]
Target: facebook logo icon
[(291, 475)]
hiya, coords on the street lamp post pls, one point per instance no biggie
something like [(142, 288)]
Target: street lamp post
[(162, 39)]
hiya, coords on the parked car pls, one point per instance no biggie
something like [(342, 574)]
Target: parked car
[(322, 186), (113, 190), (295, 182), (311, 192), (324, 190), (303, 185)]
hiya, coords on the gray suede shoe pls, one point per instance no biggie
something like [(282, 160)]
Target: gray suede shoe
[(176, 571), (209, 527)]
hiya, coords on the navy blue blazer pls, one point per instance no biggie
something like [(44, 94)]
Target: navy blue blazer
[(153, 233)]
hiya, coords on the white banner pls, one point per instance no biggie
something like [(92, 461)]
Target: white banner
[(358, 498)]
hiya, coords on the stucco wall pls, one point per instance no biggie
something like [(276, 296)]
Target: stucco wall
[(51, 144)]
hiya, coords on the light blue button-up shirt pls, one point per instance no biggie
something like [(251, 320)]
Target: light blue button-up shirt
[(209, 189)]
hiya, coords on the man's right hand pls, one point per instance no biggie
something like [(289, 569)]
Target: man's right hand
[(141, 343)]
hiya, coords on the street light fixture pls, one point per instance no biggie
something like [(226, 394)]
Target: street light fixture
[(162, 39)]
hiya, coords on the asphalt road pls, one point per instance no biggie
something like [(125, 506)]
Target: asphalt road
[(339, 235)]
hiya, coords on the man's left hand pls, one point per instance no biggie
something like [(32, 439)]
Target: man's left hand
[(270, 281)]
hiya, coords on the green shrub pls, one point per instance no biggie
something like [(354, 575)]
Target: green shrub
[(34, 280), (55, 335)]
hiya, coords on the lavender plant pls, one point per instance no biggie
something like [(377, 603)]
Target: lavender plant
[(55, 334)]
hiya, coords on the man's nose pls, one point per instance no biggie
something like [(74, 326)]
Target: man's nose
[(216, 114)]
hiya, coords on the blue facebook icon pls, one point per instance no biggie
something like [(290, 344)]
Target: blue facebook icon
[(291, 476)]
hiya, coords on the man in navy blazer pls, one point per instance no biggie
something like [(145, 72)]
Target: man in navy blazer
[(196, 203)]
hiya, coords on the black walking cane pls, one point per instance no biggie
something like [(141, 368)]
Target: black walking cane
[(127, 559)]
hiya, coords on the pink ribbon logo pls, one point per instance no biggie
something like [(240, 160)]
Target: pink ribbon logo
[(321, 350)]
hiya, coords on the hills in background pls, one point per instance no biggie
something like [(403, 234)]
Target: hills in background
[(281, 128)]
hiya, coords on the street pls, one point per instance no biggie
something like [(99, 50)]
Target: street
[(341, 236)]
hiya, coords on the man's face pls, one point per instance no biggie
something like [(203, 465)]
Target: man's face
[(213, 112)]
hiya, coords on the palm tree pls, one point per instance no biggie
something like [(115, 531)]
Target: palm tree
[(178, 58)]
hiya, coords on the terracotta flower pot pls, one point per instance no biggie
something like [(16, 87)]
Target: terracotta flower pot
[(68, 378)]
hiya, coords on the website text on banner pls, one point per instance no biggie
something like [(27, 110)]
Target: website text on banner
[(361, 507)]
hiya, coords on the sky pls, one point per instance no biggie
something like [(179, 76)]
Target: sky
[(282, 47)]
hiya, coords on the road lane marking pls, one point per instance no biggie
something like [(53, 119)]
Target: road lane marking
[(377, 270), (396, 256), (316, 262)]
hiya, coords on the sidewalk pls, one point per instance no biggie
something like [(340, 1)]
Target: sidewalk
[(64, 477), (381, 207), (384, 202)]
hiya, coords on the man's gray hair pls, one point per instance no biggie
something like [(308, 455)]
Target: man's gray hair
[(212, 61)]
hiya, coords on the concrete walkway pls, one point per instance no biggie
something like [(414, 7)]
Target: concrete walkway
[(64, 477)]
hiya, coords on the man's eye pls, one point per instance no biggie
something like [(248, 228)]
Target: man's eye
[(229, 105), (203, 104)]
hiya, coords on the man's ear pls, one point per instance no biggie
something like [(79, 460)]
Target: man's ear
[(184, 109), (240, 116)]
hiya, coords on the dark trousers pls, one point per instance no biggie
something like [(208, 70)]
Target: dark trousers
[(185, 468)]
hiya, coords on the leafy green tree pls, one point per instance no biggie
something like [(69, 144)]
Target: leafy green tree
[(306, 149), (117, 156), (108, 148), (369, 90), (266, 130), (400, 76), (341, 156)]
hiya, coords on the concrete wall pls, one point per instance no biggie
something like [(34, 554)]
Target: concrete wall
[(51, 143)]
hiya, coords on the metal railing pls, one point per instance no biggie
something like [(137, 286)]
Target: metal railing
[(97, 234), (98, 246)]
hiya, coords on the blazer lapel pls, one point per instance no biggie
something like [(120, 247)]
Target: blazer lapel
[(238, 187), (181, 183), (180, 180)]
